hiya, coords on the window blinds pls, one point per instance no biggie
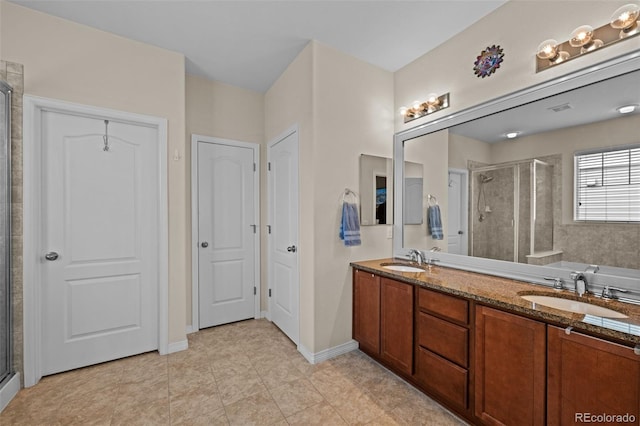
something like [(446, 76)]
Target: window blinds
[(608, 185)]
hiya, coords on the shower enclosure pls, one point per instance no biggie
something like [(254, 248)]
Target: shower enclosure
[(5, 234), (511, 210)]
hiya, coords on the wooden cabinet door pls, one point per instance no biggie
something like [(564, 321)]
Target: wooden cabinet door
[(509, 369), (396, 324), (366, 311), (590, 376)]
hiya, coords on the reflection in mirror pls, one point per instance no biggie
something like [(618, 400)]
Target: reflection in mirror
[(376, 190), (520, 204)]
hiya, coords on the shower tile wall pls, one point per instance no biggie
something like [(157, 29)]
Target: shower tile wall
[(493, 237), (13, 74)]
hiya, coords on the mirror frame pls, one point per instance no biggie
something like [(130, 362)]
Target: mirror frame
[(524, 272)]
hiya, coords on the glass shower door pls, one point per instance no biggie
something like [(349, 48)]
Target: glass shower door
[(5, 233), (493, 224)]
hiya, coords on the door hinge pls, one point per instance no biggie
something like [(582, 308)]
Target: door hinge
[(269, 292), (269, 228), (269, 166), (254, 228), (254, 167), (255, 291)]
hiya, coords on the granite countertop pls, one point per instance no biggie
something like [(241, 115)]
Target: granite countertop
[(505, 293)]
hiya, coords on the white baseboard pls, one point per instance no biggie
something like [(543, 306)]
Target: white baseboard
[(323, 355), (9, 390), (178, 346), (265, 314)]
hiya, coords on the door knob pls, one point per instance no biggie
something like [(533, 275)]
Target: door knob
[(51, 256), (205, 244), (460, 232), (291, 249)]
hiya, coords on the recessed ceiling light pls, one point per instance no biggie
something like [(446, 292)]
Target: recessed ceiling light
[(512, 135), (627, 109)]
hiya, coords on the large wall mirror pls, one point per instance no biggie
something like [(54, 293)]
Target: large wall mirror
[(509, 205)]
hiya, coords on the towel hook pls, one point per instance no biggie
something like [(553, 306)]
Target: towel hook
[(433, 199)]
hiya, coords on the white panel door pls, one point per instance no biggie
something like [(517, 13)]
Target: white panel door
[(226, 233), (284, 289), (456, 215), (99, 241)]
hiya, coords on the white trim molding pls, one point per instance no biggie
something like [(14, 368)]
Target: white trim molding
[(174, 347), (33, 108), (326, 354)]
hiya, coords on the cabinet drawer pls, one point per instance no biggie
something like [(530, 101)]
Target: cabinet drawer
[(444, 338), (442, 377), (443, 305)]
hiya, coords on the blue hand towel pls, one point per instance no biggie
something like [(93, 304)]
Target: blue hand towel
[(435, 222), (350, 225)]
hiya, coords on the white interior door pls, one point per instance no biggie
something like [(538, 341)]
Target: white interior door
[(227, 232), (284, 303), (457, 213), (99, 263)]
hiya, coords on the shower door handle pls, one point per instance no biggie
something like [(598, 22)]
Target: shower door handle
[(51, 256)]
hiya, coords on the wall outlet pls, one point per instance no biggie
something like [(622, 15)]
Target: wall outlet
[(389, 232)]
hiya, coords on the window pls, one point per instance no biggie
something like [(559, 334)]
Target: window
[(607, 185)]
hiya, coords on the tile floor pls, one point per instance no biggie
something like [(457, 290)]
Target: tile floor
[(247, 373)]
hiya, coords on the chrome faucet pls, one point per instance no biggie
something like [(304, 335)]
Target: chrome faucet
[(607, 292), (580, 282), (558, 283), (416, 256)]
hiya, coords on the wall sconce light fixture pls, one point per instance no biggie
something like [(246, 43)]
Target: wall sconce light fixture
[(419, 109), (622, 25)]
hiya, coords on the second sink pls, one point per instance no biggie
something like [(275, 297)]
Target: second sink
[(574, 306), (402, 268)]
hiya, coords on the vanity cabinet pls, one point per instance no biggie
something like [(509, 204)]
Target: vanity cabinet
[(366, 311), (590, 376), (491, 366), (442, 346), (510, 368), (396, 324), (383, 319)]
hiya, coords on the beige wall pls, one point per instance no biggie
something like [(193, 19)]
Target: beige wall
[(320, 91), (353, 111), (431, 151), (289, 102), (462, 149), (71, 62), (518, 27), (218, 110)]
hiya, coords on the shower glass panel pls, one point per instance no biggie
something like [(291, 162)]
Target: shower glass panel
[(512, 210), (543, 219), (5, 233)]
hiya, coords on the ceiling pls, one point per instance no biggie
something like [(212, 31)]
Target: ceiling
[(249, 43), (588, 104)]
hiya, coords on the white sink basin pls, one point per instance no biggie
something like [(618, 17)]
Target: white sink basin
[(403, 268), (573, 306)]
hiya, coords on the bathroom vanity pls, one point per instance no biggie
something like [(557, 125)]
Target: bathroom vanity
[(472, 342)]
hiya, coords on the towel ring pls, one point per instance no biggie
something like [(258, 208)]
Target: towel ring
[(433, 200), (349, 193)]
